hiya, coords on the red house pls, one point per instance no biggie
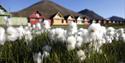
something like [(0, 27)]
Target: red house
[(35, 18)]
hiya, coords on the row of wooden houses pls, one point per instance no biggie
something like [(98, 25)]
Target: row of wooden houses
[(56, 19), (59, 19)]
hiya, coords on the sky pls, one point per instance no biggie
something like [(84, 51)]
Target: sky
[(105, 8)]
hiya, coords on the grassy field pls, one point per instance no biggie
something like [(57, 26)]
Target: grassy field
[(116, 25), (84, 26), (65, 26), (22, 51)]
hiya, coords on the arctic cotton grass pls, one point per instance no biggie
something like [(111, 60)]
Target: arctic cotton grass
[(51, 34), (2, 36), (38, 25), (57, 34), (72, 28), (110, 34), (121, 34), (28, 34), (46, 24), (71, 42), (47, 48), (60, 54), (95, 36), (60, 34), (81, 55), (94, 27), (12, 34), (94, 32), (85, 35), (37, 57), (79, 41), (21, 31)]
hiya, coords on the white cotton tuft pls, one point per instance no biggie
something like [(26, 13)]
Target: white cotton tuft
[(46, 51), (47, 48), (110, 33), (46, 24), (81, 55), (37, 57), (2, 36), (71, 41), (52, 34), (94, 32), (123, 37), (84, 33), (94, 27), (12, 34), (28, 34), (80, 29), (34, 27), (38, 25), (79, 33), (121, 34), (58, 34), (20, 31), (72, 28), (46, 54), (79, 41), (96, 36), (29, 24)]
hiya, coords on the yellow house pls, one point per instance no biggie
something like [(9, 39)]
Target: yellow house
[(58, 19)]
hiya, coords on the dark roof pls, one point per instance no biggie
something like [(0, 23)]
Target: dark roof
[(33, 15), (66, 16), (1, 7), (5, 12), (47, 8)]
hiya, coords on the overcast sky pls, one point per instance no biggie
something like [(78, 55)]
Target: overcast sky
[(105, 8)]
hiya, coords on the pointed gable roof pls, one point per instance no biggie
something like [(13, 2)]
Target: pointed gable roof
[(36, 14), (1, 7), (58, 14)]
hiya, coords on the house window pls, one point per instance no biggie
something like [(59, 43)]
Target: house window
[(62, 21)]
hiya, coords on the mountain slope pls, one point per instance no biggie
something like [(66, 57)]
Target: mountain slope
[(91, 14), (116, 18), (46, 8)]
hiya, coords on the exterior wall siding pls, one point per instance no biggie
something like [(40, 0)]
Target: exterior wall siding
[(14, 20), (2, 21), (57, 22), (19, 21)]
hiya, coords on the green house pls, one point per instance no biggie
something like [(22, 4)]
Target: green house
[(3, 13), (16, 21)]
